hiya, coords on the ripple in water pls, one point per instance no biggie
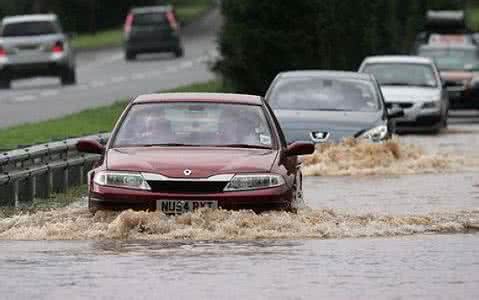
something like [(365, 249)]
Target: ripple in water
[(353, 157), (79, 224)]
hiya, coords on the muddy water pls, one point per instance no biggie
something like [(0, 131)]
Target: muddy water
[(382, 236)]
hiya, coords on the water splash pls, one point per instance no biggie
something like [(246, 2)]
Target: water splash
[(79, 224), (353, 157)]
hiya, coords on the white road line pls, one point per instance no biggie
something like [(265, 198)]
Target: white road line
[(138, 76), (186, 64), (97, 84), (118, 79), (25, 98), (49, 93)]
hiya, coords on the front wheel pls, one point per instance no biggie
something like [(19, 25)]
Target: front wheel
[(129, 56), (69, 77), (180, 52), (5, 84)]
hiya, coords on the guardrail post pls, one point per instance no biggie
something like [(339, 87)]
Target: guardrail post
[(42, 185), (25, 190), (59, 180), (7, 195)]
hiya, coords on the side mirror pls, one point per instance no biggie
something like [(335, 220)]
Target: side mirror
[(395, 113), (298, 149), (89, 146)]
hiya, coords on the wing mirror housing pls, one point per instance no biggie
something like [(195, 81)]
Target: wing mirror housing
[(395, 113), (300, 148), (90, 146)]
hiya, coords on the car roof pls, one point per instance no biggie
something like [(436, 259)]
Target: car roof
[(405, 59), (199, 97), (29, 18), (322, 73), (151, 9)]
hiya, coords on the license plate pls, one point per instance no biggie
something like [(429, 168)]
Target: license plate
[(181, 207)]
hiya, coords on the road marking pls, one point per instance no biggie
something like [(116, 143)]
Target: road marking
[(118, 79), (25, 98), (97, 84), (186, 64), (49, 93), (138, 76)]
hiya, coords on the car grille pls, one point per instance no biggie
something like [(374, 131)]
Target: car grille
[(187, 187), (450, 83), (401, 105)]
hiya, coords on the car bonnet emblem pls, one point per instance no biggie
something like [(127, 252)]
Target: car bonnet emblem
[(319, 136), (187, 172)]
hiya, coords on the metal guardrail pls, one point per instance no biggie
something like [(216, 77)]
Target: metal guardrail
[(37, 172)]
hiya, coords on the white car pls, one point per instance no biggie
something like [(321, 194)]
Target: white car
[(414, 84)]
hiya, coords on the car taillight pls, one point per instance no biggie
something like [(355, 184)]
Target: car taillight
[(128, 23), (172, 20), (58, 47), (3, 53)]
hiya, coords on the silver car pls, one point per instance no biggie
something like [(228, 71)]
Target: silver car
[(34, 45), (414, 84)]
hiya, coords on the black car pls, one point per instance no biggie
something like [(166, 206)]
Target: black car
[(152, 30), (323, 106)]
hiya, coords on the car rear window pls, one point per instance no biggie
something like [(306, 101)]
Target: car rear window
[(148, 19), (29, 29), (194, 124), (324, 94)]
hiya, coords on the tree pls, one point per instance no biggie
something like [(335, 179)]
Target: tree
[(261, 38)]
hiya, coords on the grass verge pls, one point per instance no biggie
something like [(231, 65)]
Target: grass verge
[(187, 11), (87, 122)]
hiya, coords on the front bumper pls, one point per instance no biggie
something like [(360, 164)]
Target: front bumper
[(111, 198)]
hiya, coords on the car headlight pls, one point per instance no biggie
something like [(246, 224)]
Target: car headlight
[(377, 134), (431, 104), (122, 180), (254, 182)]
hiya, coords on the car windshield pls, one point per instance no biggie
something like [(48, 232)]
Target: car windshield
[(148, 19), (402, 74), (29, 29), (195, 124), (452, 59), (324, 94)]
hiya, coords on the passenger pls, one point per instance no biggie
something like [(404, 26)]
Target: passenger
[(236, 128), (157, 130)]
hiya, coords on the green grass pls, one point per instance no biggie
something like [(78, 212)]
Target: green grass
[(473, 17), (187, 11), (87, 122)]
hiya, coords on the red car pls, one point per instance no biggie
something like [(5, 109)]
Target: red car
[(179, 152)]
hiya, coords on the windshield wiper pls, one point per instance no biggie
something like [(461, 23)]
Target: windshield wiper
[(243, 146)]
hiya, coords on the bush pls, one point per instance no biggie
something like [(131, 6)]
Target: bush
[(262, 38)]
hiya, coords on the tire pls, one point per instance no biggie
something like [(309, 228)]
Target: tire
[(180, 52), (69, 77), (92, 208), (5, 84), (129, 56)]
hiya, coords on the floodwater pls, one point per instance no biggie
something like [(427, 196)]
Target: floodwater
[(377, 234)]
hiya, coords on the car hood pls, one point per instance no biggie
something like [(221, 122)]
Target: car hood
[(203, 162), (401, 94), (340, 125)]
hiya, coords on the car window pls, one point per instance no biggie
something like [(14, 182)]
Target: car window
[(148, 19), (29, 29), (402, 74), (195, 124), (452, 59), (324, 94)]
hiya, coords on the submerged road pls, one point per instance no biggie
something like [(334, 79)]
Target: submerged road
[(105, 77)]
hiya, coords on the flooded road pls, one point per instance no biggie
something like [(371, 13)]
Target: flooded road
[(377, 234), (422, 267)]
